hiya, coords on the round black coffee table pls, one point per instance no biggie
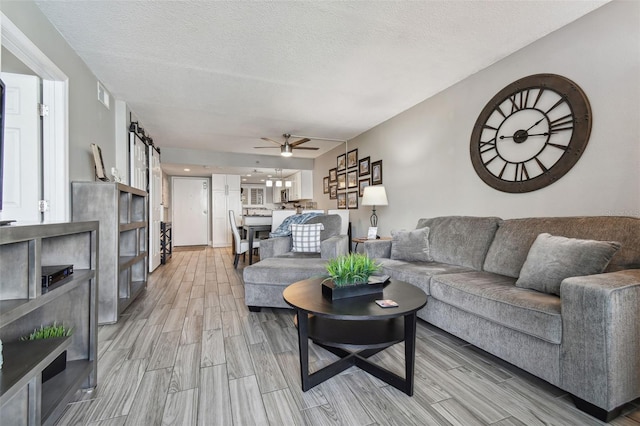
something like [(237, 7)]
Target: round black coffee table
[(355, 329)]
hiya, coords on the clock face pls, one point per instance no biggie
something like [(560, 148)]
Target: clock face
[(531, 133)]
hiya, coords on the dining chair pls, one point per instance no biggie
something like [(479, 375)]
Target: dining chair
[(241, 246)]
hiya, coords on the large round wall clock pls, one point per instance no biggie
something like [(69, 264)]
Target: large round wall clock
[(531, 133)]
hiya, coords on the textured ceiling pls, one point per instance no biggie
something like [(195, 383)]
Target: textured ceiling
[(220, 75)]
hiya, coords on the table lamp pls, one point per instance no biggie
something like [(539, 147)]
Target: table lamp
[(374, 196)]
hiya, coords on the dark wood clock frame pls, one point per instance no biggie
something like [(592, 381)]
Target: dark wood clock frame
[(517, 93)]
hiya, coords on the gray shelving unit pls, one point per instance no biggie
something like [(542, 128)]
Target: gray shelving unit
[(25, 305), (122, 213)]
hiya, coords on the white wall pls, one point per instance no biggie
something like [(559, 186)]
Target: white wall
[(427, 169)]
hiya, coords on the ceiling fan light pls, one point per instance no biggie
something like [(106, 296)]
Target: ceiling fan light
[(286, 151)]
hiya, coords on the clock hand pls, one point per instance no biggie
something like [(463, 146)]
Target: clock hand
[(533, 134), (535, 124)]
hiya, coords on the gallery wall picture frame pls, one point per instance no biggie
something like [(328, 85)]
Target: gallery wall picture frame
[(342, 200), (352, 199), (333, 175), (342, 180), (333, 191), (352, 158), (325, 185), (376, 173), (363, 184), (352, 179), (364, 166), (342, 162)]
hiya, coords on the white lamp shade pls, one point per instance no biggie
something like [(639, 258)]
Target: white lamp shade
[(375, 196)]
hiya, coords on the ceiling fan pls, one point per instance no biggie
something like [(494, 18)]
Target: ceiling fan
[(286, 148)]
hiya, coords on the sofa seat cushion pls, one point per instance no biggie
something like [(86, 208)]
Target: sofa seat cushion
[(282, 271), (496, 298), (418, 273)]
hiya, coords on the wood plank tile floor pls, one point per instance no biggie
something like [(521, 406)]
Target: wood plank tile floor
[(188, 352)]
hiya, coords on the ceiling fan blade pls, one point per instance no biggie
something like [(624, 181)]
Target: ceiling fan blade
[(268, 147), (271, 140), (299, 142), (305, 147)]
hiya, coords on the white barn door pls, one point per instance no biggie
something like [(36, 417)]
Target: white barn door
[(138, 162), (22, 160), (155, 207)]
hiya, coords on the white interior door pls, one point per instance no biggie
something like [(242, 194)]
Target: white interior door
[(155, 207), (190, 211), (22, 163)]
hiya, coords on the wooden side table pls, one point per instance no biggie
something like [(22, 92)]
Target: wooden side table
[(359, 240)]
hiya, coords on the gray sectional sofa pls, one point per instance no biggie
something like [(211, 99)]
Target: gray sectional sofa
[(279, 267), (585, 340)]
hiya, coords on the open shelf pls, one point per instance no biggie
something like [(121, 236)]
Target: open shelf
[(136, 288), (122, 212), (25, 305), (22, 360), (10, 310), (57, 391)]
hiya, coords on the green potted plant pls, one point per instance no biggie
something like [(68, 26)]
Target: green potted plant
[(51, 332), (349, 277)]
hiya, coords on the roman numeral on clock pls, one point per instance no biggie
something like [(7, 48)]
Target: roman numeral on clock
[(562, 123)]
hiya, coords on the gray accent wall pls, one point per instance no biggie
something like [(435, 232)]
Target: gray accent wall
[(427, 169), (89, 120)]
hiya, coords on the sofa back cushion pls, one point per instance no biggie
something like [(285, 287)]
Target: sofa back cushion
[(514, 238), (460, 240), (332, 225)]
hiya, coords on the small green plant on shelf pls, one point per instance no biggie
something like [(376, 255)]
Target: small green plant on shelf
[(49, 332), (351, 269)]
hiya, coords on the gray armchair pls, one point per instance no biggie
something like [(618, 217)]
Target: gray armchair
[(332, 243), (279, 267)]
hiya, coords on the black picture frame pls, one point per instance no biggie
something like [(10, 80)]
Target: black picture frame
[(342, 181), (333, 175), (333, 191), (342, 200), (341, 162), (363, 183), (364, 166), (352, 199), (352, 158), (352, 179), (325, 185), (376, 173)]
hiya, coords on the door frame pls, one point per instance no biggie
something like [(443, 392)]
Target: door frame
[(55, 126)]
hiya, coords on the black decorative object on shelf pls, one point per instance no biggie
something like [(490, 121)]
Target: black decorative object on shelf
[(56, 367), (333, 292)]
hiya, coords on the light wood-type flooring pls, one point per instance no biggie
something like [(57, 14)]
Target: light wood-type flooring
[(188, 352)]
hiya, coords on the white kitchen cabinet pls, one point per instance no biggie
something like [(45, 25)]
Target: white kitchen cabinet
[(226, 196), (301, 185), (276, 195)]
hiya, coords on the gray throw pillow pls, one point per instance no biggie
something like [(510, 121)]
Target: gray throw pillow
[(551, 259), (411, 246)]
